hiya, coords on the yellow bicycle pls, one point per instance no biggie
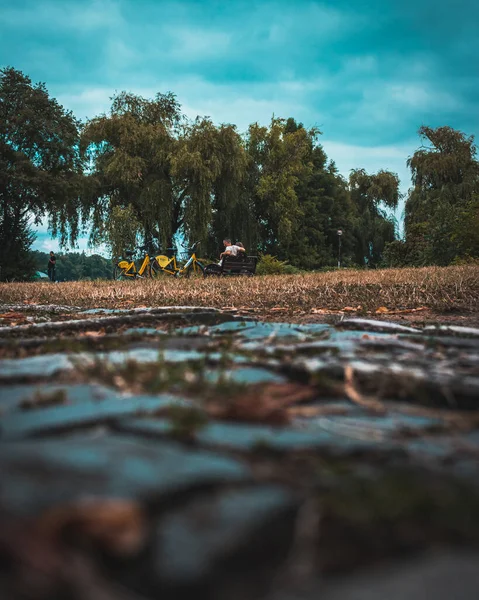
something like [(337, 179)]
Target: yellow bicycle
[(165, 263), (126, 268), (169, 264)]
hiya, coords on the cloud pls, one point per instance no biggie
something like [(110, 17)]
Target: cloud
[(52, 16), (196, 44), (368, 75)]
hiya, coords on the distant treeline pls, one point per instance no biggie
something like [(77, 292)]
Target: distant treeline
[(144, 174), (74, 266)]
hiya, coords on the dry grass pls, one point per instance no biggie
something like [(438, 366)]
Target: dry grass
[(439, 289)]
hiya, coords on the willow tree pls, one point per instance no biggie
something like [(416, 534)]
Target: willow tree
[(209, 165), (372, 195), (278, 159), (128, 157), (231, 214), (40, 170), (150, 167), (442, 209)]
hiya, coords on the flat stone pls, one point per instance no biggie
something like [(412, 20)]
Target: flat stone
[(253, 330), (334, 345), (243, 437), (442, 576), (225, 546), (165, 314), (439, 341), (471, 332), (39, 367), (12, 396), (64, 417), (367, 325), (144, 331), (246, 375), (34, 366), (46, 473), (358, 424)]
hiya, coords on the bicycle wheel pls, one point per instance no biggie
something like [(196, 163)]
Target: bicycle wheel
[(154, 269), (199, 269), (184, 273), (118, 273)]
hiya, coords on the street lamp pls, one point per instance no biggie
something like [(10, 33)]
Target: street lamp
[(340, 233)]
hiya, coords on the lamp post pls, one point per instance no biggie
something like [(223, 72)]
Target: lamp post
[(340, 233)]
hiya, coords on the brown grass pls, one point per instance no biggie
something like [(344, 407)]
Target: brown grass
[(438, 289)]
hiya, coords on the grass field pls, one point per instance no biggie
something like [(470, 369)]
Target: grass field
[(440, 290)]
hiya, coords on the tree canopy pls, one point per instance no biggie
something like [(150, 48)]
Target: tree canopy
[(40, 169), (442, 208)]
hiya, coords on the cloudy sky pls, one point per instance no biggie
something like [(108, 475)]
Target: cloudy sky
[(368, 73)]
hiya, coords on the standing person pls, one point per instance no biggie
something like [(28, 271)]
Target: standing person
[(51, 266)]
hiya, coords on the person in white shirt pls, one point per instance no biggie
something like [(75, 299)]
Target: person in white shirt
[(231, 249)]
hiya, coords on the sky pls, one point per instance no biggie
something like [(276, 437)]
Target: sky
[(367, 73)]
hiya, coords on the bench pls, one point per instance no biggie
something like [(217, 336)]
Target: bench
[(233, 265)]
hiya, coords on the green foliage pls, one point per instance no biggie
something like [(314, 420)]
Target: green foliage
[(371, 196), (123, 230), (128, 153), (74, 266), (325, 206), (40, 170), (279, 157), (443, 205), (16, 237), (270, 265)]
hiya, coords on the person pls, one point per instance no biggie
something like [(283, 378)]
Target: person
[(241, 248), (230, 250), (51, 266)]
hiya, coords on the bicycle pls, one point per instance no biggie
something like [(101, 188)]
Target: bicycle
[(126, 268), (169, 264), (192, 264), (166, 264)]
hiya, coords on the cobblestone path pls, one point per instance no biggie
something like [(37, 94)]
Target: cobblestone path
[(192, 453)]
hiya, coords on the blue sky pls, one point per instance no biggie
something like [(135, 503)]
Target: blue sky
[(367, 73)]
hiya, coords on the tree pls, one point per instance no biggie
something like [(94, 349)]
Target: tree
[(16, 238), (371, 196), (442, 209), (128, 153), (209, 167), (165, 175), (231, 216), (325, 206), (40, 170), (279, 157), (73, 266)]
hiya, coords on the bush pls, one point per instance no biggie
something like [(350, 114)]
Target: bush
[(270, 265), (465, 260)]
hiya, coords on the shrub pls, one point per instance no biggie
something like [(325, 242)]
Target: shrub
[(270, 265)]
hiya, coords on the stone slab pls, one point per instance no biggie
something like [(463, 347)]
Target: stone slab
[(41, 474), (244, 437), (61, 418)]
